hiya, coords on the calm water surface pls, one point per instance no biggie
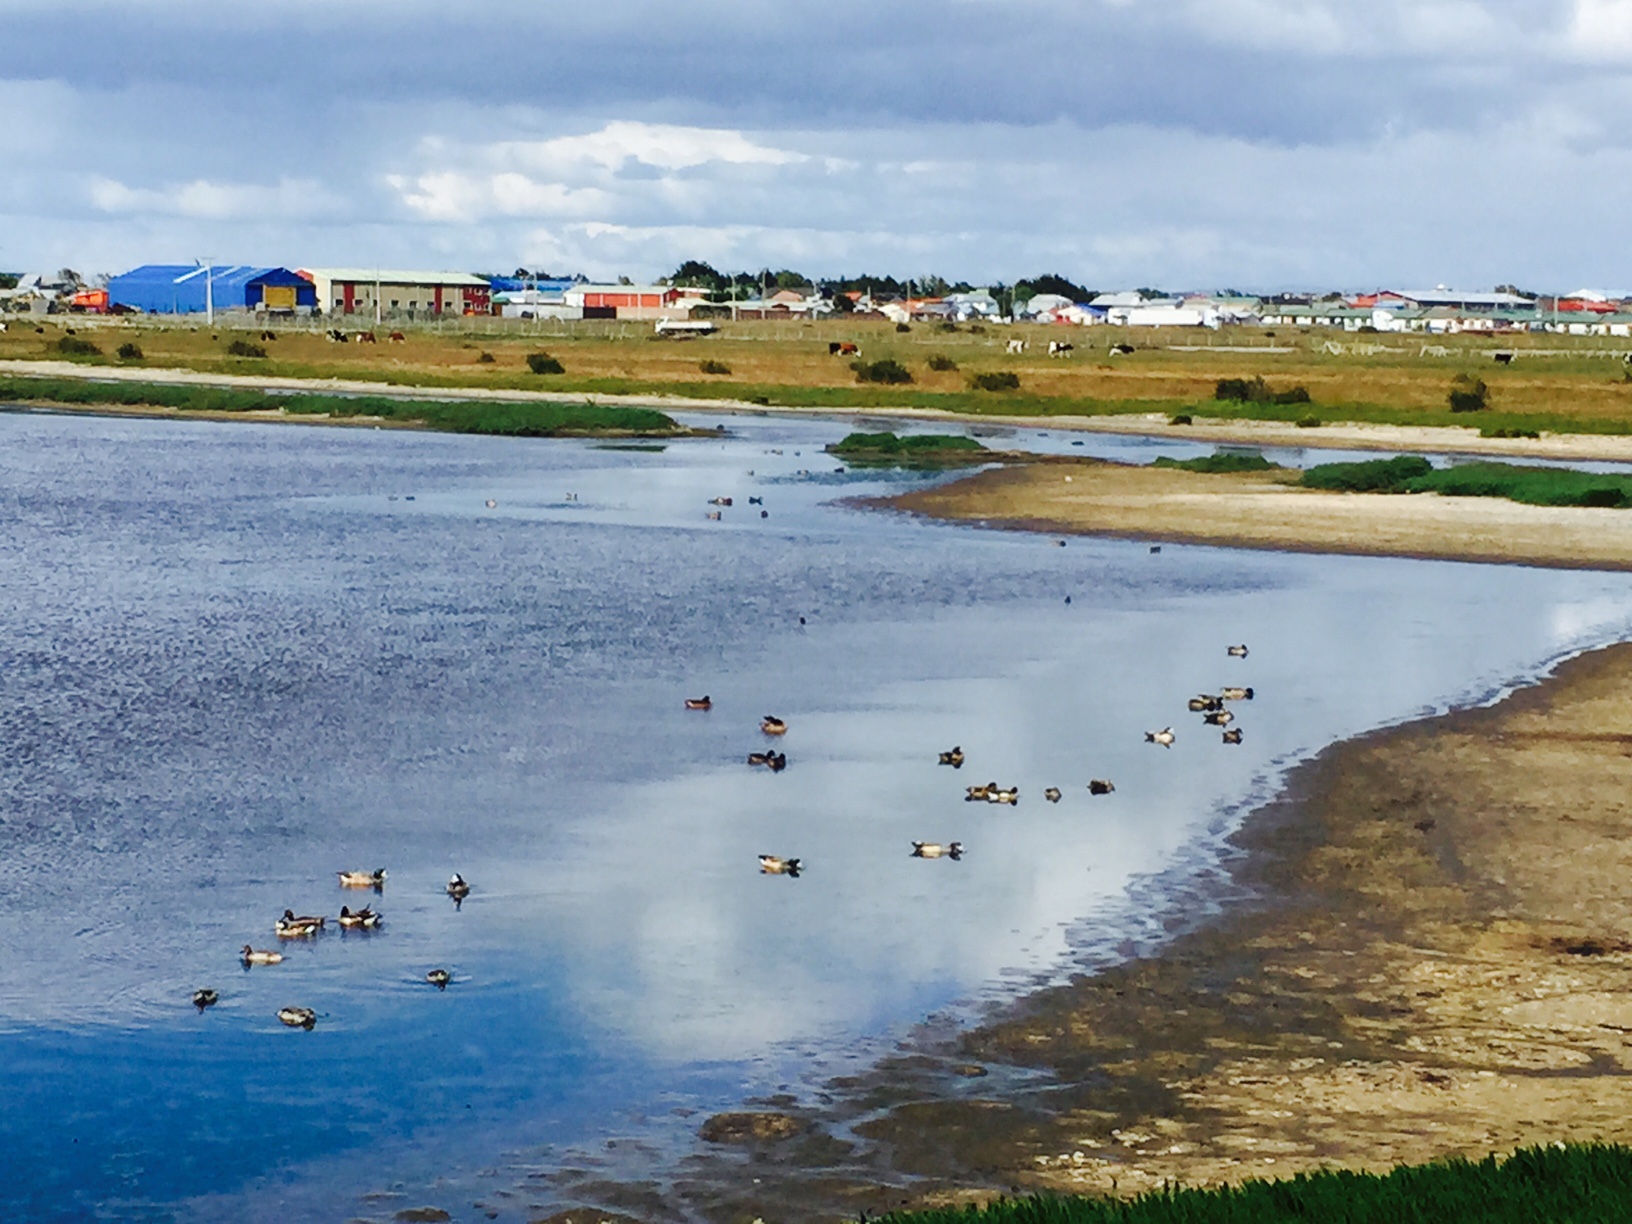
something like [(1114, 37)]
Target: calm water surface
[(237, 658)]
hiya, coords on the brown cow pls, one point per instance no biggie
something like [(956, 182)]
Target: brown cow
[(366, 338), (397, 337)]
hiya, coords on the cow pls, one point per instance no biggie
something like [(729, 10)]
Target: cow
[(843, 348), (397, 337), (2, 327), (366, 338), (336, 336), (1503, 358), (1015, 347), (269, 335), (1121, 350), (1060, 348)]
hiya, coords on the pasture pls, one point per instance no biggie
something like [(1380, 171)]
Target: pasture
[(1555, 383)]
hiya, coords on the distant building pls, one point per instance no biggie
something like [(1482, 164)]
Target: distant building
[(391, 292), (633, 301), (191, 288)]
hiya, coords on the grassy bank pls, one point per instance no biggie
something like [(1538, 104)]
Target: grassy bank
[(1533, 486), (1583, 1182), (539, 420)]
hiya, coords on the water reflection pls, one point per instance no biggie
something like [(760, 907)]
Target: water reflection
[(240, 658)]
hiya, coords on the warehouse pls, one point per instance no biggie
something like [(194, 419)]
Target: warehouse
[(194, 288), (391, 293)]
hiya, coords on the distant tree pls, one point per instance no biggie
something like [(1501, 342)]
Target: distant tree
[(8, 280), (789, 279), (1148, 294), (69, 275), (624, 280), (696, 274), (1514, 289), (933, 286), (1050, 282)]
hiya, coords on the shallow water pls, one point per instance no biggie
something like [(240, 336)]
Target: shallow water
[(239, 657)]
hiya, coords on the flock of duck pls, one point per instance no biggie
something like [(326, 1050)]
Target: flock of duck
[(1212, 706), (293, 926)]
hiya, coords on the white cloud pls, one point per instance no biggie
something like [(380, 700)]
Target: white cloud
[(205, 200)]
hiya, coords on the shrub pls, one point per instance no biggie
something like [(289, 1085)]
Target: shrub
[(902, 327), (1468, 394), (485, 359), (243, 348), (73, 346), (995, 380), (1256, 391), (130, 352), (1488, 432), (946, 325), (1180, 418), (1217, 464), (1372, 476), (1308, 421), (941, 362), (713, 367), (885, 370), (977, 329), (543, 363)]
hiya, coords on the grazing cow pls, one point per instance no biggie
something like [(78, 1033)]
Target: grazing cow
[(1503, 358), (269, 335), (397, 337), (2, 327), (336, 336), (366, 338), (1015, 346), (1060, 348), (1121, 350), (848, 348)]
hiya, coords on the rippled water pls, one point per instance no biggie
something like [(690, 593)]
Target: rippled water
[(236, 658)]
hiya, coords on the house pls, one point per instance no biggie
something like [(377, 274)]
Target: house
[(539, 303), (195, 288), (973, 305), (389, 292), (632, 301)]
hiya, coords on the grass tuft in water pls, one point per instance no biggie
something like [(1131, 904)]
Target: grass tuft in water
[(1218, 463)]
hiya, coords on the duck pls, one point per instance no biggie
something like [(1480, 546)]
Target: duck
[(756, 501), (777, 761), (205, 998), (1236, 652), (457, 888), (770, 864), (772, 725), (951, 850), (953, 758), (491, 504), (1219, 718), (978, 794), (1235, 694), (705, 702), (713, 516), (1052, 794), (759, 758), (362, 879), (1205, 702), (1011, 796), (719, 501), (1100, 786), (292, 927), (439, 978), (298, 1017), (1233, 737), (365, 918), (259, 956), (1164, 737)]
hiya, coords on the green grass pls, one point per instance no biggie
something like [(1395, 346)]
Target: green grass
[(515, 419), (1218, 463), (889, 448), (1581, 1184), (1534, 486)]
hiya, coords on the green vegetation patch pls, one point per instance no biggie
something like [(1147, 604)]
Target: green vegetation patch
[(1256, 391), (1582, 1183), (1220, 463), (75, 346), (1534, 486), (913, 448), (995, 380), (886, 370), (519, 420)]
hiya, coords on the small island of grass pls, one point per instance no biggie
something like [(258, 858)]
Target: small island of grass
[(913, 450), (1534, 486), (1222, 463)]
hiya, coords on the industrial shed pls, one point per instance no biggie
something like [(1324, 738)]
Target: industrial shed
[(182, 289)]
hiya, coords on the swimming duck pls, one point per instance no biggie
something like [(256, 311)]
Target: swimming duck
[(1100, 786), (953, 758), (759, 758), (491, 504), (1164, 737), (362, 879), (1233, 737), (292, 927), (770, 864), (979, 794), (298, 1017), (952, 850), (1011, 796), (713, 516), (778, 761), (1206, 702), (1235, 694), (258, 956), (439, 978), (1219, 718), (1052, 794), (1236, 652), (719, 501), (699, 703), (755, 501), (365, 918), (205, 998), (772, 725), (457, 888)]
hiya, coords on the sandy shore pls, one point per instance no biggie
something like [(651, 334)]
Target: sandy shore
[(1263, 511), (1355, 436), (1428, 954)]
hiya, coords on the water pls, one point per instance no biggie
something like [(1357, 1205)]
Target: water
[(236, 658)]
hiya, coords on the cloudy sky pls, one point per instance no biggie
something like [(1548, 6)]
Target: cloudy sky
[(1181, 143)]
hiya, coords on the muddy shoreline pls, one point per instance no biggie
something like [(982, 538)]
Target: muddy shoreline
[(1425, 953)]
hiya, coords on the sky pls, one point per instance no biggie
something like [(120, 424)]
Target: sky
[(1252, 144)]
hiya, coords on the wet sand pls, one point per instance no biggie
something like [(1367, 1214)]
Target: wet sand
[(1264, 510), (1427, 953)]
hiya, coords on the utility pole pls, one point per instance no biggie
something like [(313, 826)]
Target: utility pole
[(209, 291), (376, 297)]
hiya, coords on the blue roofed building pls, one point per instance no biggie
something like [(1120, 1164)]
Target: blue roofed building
[(183, 289)]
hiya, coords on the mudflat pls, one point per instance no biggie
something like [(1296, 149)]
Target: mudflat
[(1264, 510)]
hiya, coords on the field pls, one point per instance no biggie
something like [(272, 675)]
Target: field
[(1589, 1182), (1555, 383)]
